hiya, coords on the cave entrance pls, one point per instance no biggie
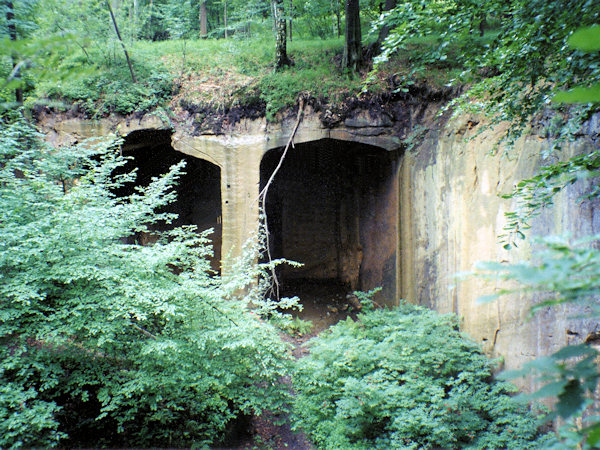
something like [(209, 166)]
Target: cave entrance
[(333, 207), (198, 190)]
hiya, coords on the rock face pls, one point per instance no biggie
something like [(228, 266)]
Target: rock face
[(451, 217), (397, 198)]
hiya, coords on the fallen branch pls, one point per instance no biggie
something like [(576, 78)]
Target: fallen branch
[(262, 196)]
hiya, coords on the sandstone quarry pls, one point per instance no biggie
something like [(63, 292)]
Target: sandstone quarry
[(397, 196)]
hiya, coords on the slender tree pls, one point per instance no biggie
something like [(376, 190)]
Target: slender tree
[(281, 57), (225, 17), (203, 19), (353, 47), (335, 8), (114, 21), (12, 32)]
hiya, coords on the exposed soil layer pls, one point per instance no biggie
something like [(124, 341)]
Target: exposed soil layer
[(207, 119)]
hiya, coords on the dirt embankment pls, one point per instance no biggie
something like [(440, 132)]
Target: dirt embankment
[(394, 105)]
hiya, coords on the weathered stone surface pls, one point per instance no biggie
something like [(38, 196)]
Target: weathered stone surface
[(452, 215), (66, 131), (366, 120), (441, 198)]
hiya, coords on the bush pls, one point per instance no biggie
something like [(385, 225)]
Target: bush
[(107, 343), (107, 88), (405, 378)]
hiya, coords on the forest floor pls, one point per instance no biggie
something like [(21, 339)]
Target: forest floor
[(323, 305)]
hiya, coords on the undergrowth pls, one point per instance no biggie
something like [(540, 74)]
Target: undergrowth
[(406, 378), (105, 343), (106, 87), (217, 75)]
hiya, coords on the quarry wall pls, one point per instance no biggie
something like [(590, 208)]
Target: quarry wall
[(433, 210)]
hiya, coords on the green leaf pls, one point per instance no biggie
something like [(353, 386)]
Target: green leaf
[(572, 351), (593, 434), (586, 39), (579, 95), (549, 390), (571, 401)]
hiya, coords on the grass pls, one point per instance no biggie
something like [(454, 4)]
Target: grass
[(219, 74)]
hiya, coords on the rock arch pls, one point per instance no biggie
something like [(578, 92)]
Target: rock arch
[(198, 190), (333, 207)]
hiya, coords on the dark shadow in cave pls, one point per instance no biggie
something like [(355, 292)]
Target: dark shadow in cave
[(332, 207), (198, 190)]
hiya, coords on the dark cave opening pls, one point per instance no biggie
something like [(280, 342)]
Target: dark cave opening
[(198, 190), (331, 207)]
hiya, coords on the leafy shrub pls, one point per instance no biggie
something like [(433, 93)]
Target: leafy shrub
[(108, 88), (405, 378), (296, 326), (110, 343), (24, 418)]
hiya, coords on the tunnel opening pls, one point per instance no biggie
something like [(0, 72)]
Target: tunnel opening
[(198, 190), (333, 207)]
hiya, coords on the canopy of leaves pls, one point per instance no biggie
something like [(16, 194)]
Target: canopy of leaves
[(524, 58), (515, 55)]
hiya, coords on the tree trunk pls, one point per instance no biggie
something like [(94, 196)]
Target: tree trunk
[(352, 48), (12, 32), (482, 25), (385, 30), (291, 14), (203, 19), (337, 15), (114, 21), (135, 19), (225, 17), (281, 58)]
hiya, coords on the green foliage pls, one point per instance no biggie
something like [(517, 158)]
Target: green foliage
[(109, 89), (569, 375), (366, 298), (535, 193), (26, 61), (104, 340), (405, 378), (563, 272), (281, 89), (585, 40), (297, 326), (521, 57), (219, 75), (25, 418), (312, 72)]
